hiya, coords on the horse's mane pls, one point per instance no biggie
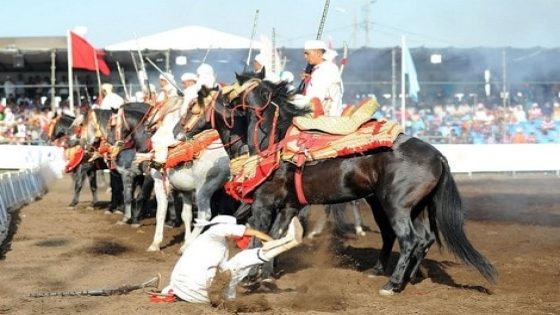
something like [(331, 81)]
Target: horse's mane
[(281, 95)]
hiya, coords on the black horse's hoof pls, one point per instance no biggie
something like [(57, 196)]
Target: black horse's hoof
[(389, 289), (375, 272)]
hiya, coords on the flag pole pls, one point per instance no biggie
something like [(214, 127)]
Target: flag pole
[(97, 69), (403, 89), (70, 76)]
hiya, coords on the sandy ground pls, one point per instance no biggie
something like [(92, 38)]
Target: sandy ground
[(515, 222)]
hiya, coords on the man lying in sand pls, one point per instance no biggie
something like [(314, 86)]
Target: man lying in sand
[(195, 271)]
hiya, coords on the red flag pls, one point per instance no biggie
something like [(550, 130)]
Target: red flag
[(84, 55)]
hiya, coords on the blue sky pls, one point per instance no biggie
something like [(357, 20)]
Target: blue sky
[(431, 23)]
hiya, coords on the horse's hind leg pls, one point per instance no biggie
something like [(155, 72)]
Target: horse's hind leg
[(401, 222), (186, 216), (426, 239), (358, 221), (387, 235)]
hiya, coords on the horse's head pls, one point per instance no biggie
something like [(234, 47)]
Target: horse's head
[(212, 110), (62, 125), (269, 111)]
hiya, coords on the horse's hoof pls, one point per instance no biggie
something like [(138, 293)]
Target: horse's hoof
[(90, 208), (107, 212), (153, 248), (135, 225), (119, 212), (385, 292), (70, 207), (374, 273), (360, 232), (388, 289), (268, 280)]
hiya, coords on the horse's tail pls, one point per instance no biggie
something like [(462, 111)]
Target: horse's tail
[(449, 218)]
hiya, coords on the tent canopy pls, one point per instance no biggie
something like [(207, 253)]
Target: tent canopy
[(186, 38)]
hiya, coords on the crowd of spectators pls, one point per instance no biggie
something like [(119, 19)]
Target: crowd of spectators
[(482, 124), (25, 112)]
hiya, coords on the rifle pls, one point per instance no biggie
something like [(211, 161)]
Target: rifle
[(251, 41), (172, 82), (123, 82), (309, 67), (154, 282)]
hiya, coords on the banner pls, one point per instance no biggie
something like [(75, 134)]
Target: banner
[(85, 56), (410, 70)]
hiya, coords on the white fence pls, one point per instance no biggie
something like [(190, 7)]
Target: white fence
[(465, 158), (31, 169)]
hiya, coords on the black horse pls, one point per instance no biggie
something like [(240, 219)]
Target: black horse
[(398, 183), (98, 125), (62, 130)]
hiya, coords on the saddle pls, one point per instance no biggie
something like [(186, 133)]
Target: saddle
[(330, 137), (352, 118), (187, 151)]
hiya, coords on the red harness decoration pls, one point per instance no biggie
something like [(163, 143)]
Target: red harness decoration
[(75, 157), (298, 179), (241, 188)]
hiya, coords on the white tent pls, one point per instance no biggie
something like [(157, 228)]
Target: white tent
[(186, 38)]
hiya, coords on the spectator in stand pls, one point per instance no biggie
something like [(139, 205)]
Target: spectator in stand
[(519, 113), (534, 112), (531, 138), (20, 83), (556, 111), (9, 89), (547, 125), (519, 136)]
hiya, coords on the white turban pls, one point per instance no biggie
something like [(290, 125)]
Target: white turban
[(315, 44), (260, 59), (330, 54), (107, 87), (167, 77), (188, 76)]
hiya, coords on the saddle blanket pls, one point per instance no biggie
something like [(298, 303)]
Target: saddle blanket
[(249, 172), (191, 149), (315, 145)]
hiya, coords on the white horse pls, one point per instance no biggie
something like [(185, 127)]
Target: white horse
[(200, 178)]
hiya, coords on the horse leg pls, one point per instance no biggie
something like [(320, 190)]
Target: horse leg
[(427, 238), (358, 221), (92, 176), (161, 198), (172, 208), (387, 236), (115, 179), (401, 222), (186, 216), (142, 200), (78, 176), (279, 226), (321, 222), (128, 188)]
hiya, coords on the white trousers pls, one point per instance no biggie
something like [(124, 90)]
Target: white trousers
[(239, 266)]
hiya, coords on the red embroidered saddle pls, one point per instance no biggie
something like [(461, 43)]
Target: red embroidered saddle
[(191, 149), (301, 146)]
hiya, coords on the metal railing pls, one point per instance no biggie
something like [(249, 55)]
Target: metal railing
[(18, 188)]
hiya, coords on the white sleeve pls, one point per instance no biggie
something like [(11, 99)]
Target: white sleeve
[(227, 230)]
